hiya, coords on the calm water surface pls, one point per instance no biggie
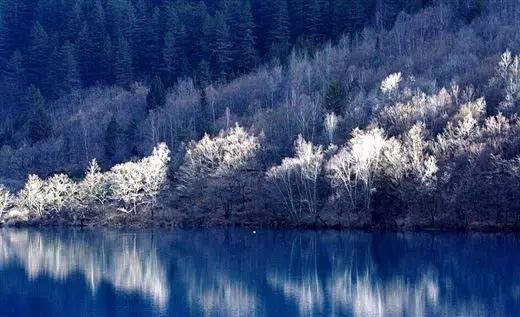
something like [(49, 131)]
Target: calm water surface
[(68, 272)]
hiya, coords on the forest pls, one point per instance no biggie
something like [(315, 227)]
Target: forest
[(322, 113)]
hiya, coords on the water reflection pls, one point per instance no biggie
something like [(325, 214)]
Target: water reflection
[(126, 261), (272, 273)]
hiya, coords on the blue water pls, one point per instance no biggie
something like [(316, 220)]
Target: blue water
[(66, 272)]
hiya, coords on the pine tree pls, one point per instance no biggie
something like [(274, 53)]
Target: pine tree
[(157, 95), (153, 44), (123, 64), (83, 54), (355, 16), (296, 14), (334, 98), (203, 75), (18, 21), (311, 20), (38, 55), (106, 62), (180, 48), (221, 48), (4, 47), (69, 70), (14, 79), (169, 58), (112, 136), (92, 45), (72, 20), (279, 35), (390, 10), (140, 38), (203, 115), (39, 123), (52, 79), (242, 37)]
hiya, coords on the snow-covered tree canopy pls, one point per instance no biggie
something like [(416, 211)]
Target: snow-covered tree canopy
[(222, 155), (140, 182)]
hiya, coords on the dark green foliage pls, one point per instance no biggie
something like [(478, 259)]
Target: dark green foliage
[(75, 43), (203, 115), (123, 64), (334, 100), (14, 76), (279, 34), (169, 58), (311, 20), (112, 135), (69, 77), (38, 57), (157, 96), (242, 37), (221, 48), (203, 76), (469, 9), (39, 123)]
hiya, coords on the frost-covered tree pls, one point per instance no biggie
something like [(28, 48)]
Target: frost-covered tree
[(390, 85), (356, 165), (59, 192), (138, 183), (42, 197), (331, 124), (407, 158), (296, 179), (32, 196), (7, 201), (218, 156), (94, 187), (507, 77)]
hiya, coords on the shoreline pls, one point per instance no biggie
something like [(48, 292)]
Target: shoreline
[(491, 229)]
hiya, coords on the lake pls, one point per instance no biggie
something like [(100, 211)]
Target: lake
[(74, 272)]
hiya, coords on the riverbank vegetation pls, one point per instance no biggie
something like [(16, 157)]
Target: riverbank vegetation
[(401, 125)]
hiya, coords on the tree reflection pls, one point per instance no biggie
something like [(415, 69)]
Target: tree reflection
[(126, 261), (290, 273)]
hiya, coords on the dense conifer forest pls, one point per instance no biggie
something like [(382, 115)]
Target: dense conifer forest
[(347, 113)]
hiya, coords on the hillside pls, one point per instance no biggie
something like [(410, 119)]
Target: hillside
[(412, 123)]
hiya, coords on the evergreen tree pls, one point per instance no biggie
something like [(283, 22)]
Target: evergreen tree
[(203, 115), (106, 62), (153, 44), (83, 54), (355, 16), (14, 79), (203, 75), (389, 11), (38, 57), (114, 17), (112, 136), (72, 20), (279, 35), (69, 70), (140, 38), (123, 64), (52, 79), (39, 123), (242, 37), (180, 49), (311, 20), (157, 95), (296, 15), (334, 98), (222, 55), (4, 47), (169, 58), (18, 20)]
